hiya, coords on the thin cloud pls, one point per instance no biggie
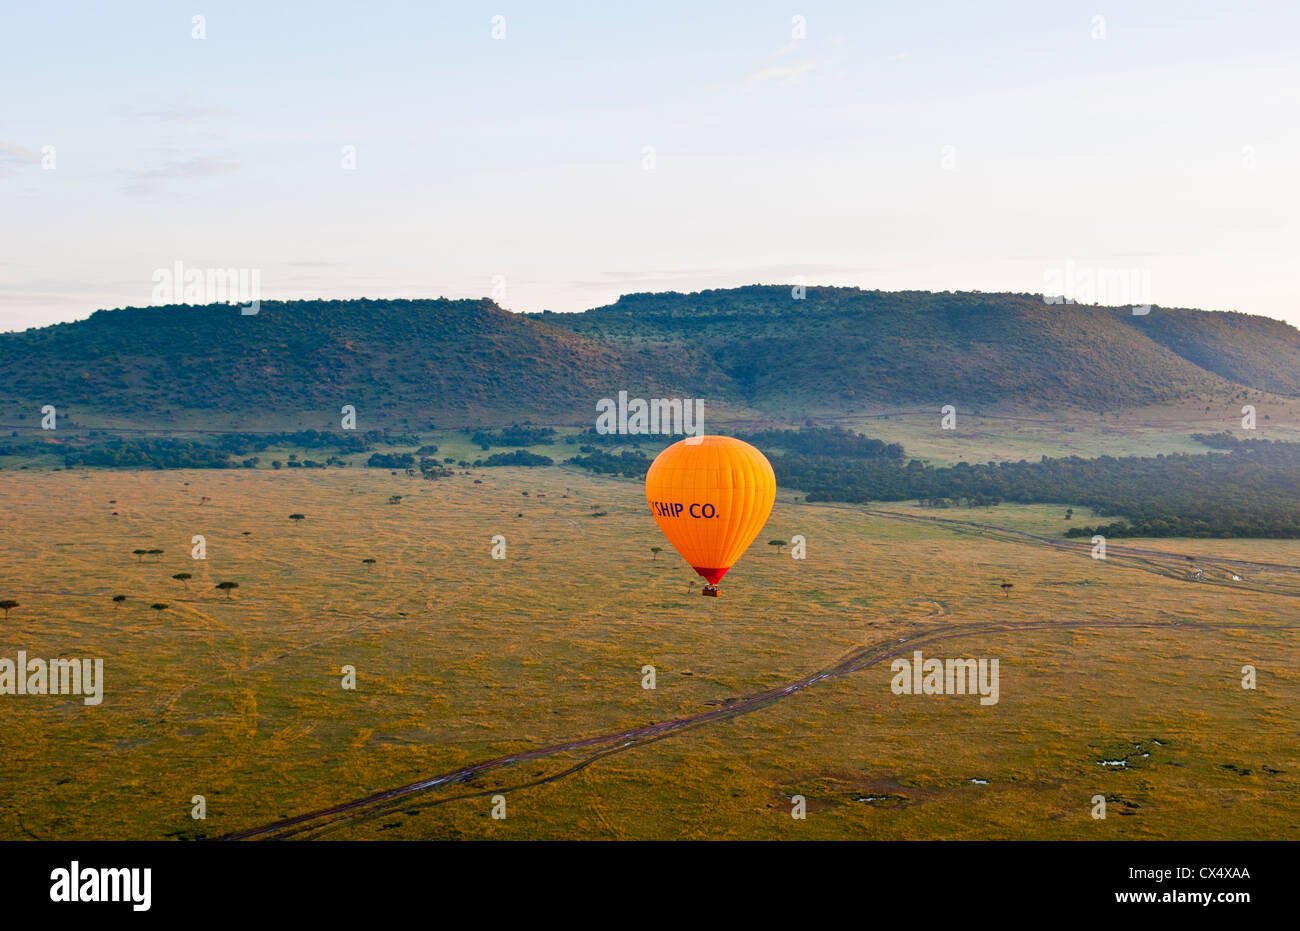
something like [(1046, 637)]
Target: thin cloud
[(784, 75), (151, 180), (14, 158), (176, 111), (793, 62)]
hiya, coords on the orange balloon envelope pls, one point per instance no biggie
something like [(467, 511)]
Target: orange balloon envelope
[(710, 496)]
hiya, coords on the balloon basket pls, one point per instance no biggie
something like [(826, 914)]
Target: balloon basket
[(710, 591)]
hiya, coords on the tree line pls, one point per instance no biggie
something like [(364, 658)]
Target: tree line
[(1251, 491)]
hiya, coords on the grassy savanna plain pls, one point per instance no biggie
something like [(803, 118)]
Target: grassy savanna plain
[(461, 658)]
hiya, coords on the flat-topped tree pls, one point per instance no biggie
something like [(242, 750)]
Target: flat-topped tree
[(227, 587), (7, 605), (183, 577), (117, 601)]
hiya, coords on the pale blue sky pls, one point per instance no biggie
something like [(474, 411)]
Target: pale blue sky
[(1169, 148)]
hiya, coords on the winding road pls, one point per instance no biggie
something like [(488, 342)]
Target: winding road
[(608, 744), (592, 749)]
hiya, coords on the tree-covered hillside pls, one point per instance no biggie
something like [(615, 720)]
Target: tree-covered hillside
[(837, 346), (454, 361), (1257, 351), (406, 363)]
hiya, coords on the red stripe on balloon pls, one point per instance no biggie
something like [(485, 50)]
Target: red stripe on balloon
[(712, 575)]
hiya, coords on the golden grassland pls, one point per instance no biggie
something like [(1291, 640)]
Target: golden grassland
[(462, 658)]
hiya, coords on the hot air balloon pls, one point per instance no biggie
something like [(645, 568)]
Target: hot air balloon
[(710, 496)]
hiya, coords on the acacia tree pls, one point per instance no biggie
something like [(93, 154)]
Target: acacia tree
[(7, 605), (117, 601), (183, 577), (778, 544), (656, 550), (227, 587)]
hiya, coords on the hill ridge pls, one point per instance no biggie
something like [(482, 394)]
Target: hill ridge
[(755, 347)]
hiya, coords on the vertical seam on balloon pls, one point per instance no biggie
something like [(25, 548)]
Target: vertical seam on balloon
[(758, 513), (700, 474), (735, 486), (751, 489), (714, 557), (735, 516)]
